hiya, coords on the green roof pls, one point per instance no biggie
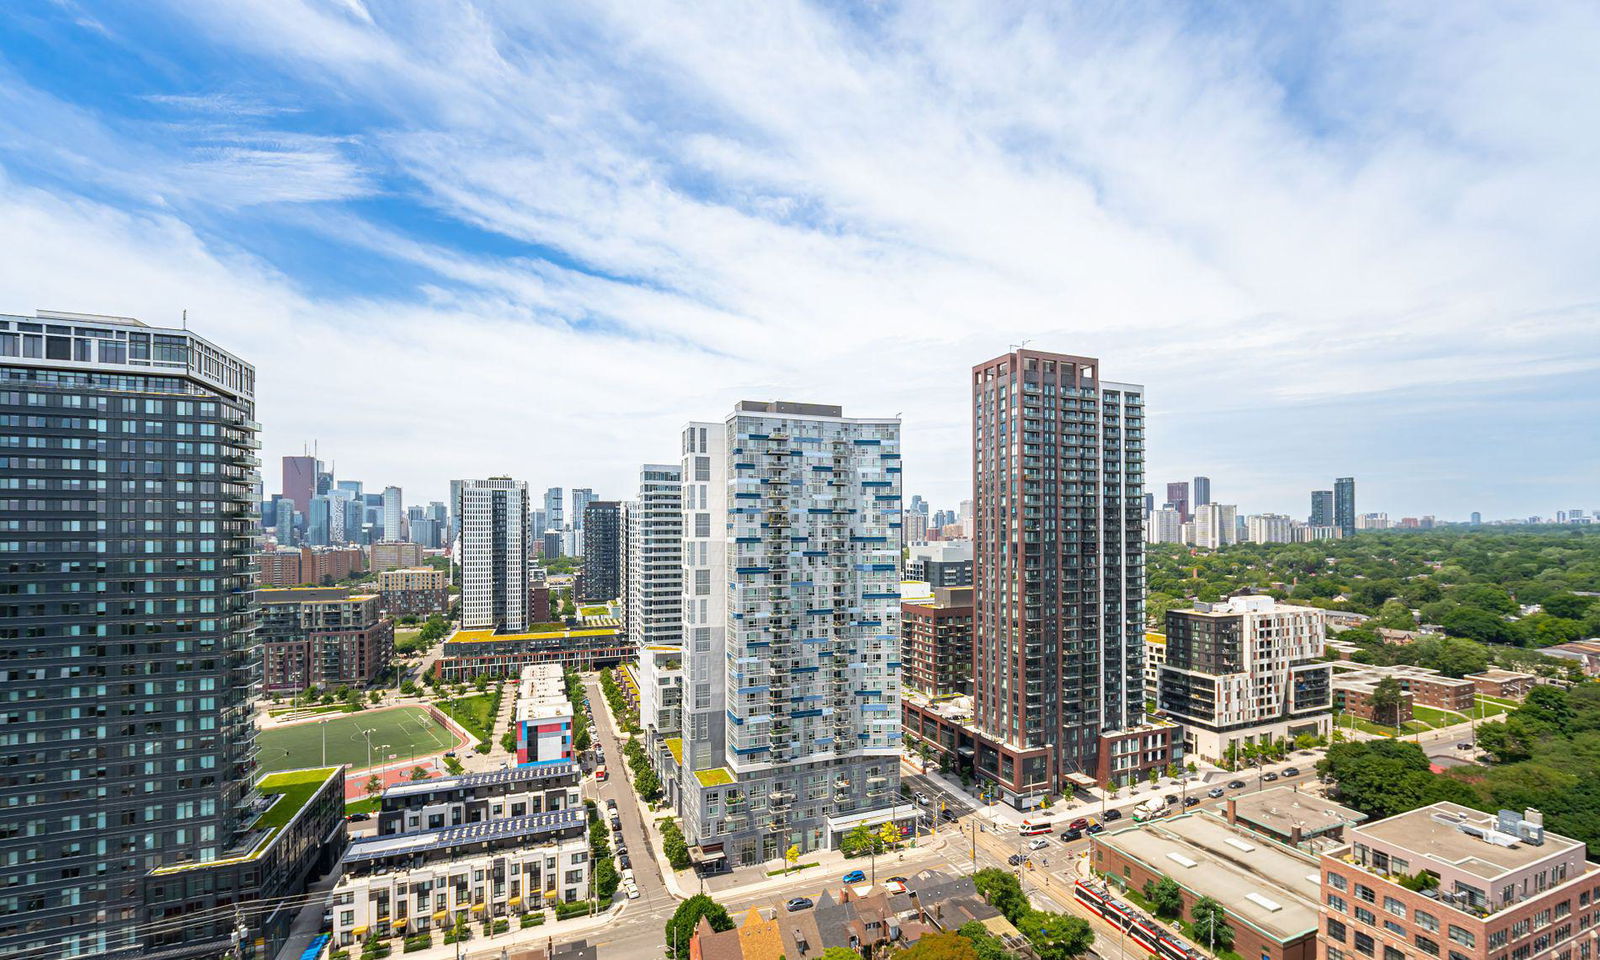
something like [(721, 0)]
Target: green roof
[(675, 745), (294, 788), (720, 777)]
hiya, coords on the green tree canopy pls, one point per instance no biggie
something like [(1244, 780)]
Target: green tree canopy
[(680, 928)]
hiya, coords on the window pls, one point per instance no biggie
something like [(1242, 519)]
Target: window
[(1395, 928), (1427, 946), (1366, 916), (1426, 920), (1364, 892), (1338, 882), (1364, 943), (1497, 939), (1390, 953), (1336, 930), (1337, 902), (1463, 937), (1394, 906)]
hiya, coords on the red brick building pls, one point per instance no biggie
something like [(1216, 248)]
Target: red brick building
[(1506, 684), (1504, 889), (936, 643), (308, 566)]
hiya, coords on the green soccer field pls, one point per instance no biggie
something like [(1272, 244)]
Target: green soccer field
[(407, 731)]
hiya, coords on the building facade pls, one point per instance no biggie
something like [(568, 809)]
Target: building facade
[(1269, 528), (322, 637), (1246, 671), (395, 555), (1214, 525), (936, 643), (128, 478), (1344, 505), (414, 591), (1321, 509), (1502, 886), (1178, 499), (1058, 477), (300, 481), (494, 555), (947, 563), (809, 574), (603, 548), (308, 567), (1202, 491)]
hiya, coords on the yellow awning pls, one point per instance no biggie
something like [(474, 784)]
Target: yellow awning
[(477, 908), (359, 932), (440, 916), (514, 902), (399, 922), (551, 895)]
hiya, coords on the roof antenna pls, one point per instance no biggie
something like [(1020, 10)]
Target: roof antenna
[(185, 318)]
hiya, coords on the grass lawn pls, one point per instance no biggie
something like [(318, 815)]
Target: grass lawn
[(1435, 718), (296, 788), (1494, 706), (472, 712), (369, 805), (406, 731), (405, 640)]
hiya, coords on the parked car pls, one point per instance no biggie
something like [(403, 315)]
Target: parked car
[(627, 876), (799, 903), (1190, 801), (1291, 771), (1170, 799), (1113, 814), (1269, 776), (623, 861), (632, 891), (600, 774), (1078, 824), (611, 804), (1038, 843), (1215, 792), (1464, 745), (854, 876), (1094, 828), (901, 880), (450, 754), (1071, 833), (616, 822), (358, 817), (1235, 784)]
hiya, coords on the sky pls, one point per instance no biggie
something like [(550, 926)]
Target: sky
[(469, 239)]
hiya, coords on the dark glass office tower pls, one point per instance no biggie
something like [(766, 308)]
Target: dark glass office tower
[(1344, 505), (127, 656)]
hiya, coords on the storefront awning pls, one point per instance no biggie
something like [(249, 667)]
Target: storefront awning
[(359, 932), (514, 902), (1082, 780), (440, 916), (710, 854), (477, 908)]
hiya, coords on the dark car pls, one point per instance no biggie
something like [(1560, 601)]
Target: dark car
[(799, 903), (1094, 828), (616, 823), (1464, 745), (1113, 815), (1291, 771), (948, 815), (1070, 834), (1190, 801), (1269, 776), (624, 862), (1170, 799), (358, 817), (1235, 784), (1015, 859), (1215, 792)]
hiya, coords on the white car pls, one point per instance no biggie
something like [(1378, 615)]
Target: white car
[(1038, 843), (631, 889), (921, 798)]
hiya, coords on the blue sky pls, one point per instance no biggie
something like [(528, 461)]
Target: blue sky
[(472, 238)]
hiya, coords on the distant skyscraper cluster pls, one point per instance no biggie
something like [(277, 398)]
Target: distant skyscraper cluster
[(1189, 516)]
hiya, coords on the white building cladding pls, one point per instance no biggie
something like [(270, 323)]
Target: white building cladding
[(494, 554), (791, 607), (1245, 671), (653, 589)]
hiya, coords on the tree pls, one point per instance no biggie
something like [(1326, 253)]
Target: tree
[(889, 834), (791, 856), (1165, 896), (987, 945), (680, 928), (859, 840), (1567, 605), (1546, 710), (1057, 936), (1003, 891), (1477, 624), (1209, 922), (606, 879), (936, 946), (374, 786), (648, 785), (840, 953), (1386, 700), (418, 773)]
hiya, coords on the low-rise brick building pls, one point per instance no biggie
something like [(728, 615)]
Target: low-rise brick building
[(308, 566), (1506, 684), (1500, 888)]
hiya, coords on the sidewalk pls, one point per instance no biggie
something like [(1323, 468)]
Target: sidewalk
[(829, 865)]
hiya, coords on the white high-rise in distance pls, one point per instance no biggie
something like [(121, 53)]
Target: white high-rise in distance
[(393, 515), (494, 554)]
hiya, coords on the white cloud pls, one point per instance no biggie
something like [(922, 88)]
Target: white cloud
[(1266, 222)]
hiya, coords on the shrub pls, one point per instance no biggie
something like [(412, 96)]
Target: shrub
[(674, 845), (482, 747), (532, 920), (577, 908), (421, 941), (502, 925)]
